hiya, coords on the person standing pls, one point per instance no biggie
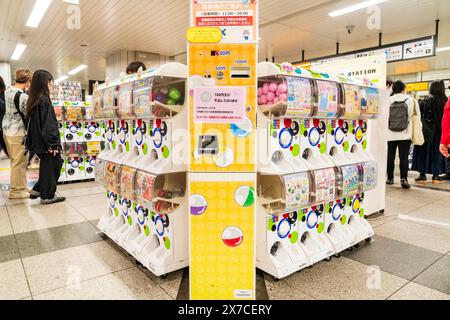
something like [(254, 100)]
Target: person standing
[(445, 139), (134, 67), (400, 132), (427, 159), (14, 131), (43, 138), (2, 114)]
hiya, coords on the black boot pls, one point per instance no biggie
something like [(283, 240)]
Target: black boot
[(405, 184), (390, 182)]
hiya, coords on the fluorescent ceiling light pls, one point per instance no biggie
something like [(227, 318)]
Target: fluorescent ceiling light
[(39, 10), (77, 69), (72, 1), (356, 7), (443, 49), (61, 79), (20, 48)]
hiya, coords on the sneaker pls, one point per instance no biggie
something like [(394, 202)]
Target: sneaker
[(405, 184), (34, 195), (390, 182), (422, 179), (54, 200), (19, 196)]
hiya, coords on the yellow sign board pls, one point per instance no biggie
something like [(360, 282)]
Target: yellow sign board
[(417, 86), (222, 239), (204, 35)]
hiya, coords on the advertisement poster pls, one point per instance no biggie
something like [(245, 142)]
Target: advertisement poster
[(237, 19), (222, 238), (219, 104), (299, 102)]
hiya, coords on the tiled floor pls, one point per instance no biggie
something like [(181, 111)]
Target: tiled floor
[(56, 253)]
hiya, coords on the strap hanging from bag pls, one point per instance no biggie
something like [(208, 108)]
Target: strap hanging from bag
[(17, 105)]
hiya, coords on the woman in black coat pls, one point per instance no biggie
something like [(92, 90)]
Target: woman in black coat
[(43, 138), (427, 159)]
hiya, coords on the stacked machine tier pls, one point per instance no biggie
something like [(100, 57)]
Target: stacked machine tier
[(144, 117), (314, 168)]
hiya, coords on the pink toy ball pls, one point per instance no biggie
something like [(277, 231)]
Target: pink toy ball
[(260, 92), (264, 99), (273, 87), (259, 101), (282, 88), (283, 97), (276, 100), (266, 88), (270, 96)]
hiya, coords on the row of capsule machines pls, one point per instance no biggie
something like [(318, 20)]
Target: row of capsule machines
[(314, 168), (81, 138), (143, 165)]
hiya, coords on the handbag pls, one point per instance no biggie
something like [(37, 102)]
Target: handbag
[(428, 120), (417, 127)]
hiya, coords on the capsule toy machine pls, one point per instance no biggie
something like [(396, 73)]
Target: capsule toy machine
[(313, 131), (355, 211), (337, 211), (75, 157), (371, 106), (340, 132), (142, 103), (285, 99), (113, 219), (168, 142), (312, 235), (281, 201), (93, 149), (165, 248), (73, 124), (126, 115), (126, 204), (109, 115), (59, 112), (92, 128)]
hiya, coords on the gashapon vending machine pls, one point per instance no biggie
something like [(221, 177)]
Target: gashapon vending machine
[(109, 93), (148, 215)]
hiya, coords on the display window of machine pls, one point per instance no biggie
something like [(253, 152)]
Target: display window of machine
[(110, 102), (125, 101), (143, 98), (168, 95), (327, 99)]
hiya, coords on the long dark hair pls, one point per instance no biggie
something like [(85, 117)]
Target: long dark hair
[(38, 90), (2, 85)]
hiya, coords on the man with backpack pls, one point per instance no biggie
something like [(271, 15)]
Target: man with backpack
[(400, 133), (14, 132)]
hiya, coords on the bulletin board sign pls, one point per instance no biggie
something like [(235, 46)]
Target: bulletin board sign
[(219, 104), (237, 19)]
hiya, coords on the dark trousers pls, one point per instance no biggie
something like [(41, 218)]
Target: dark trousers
[(403, 149), (49, 172)]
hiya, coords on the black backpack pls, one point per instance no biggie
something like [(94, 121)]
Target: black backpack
[(398, 116)]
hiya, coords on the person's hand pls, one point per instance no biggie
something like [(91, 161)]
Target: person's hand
[(53, 152), (445, 150)]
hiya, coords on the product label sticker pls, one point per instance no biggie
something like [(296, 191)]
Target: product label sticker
[(219, 104), (325, 185), (297, 191), (353, 99), (142, 97), (372, 103), (370, 176), (350, 180), (299, 103), (144, 189), (328, 99), (125, 100)]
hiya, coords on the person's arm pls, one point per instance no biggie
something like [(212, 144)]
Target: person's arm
[(445, 140), (50, 129), (23, 103)]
